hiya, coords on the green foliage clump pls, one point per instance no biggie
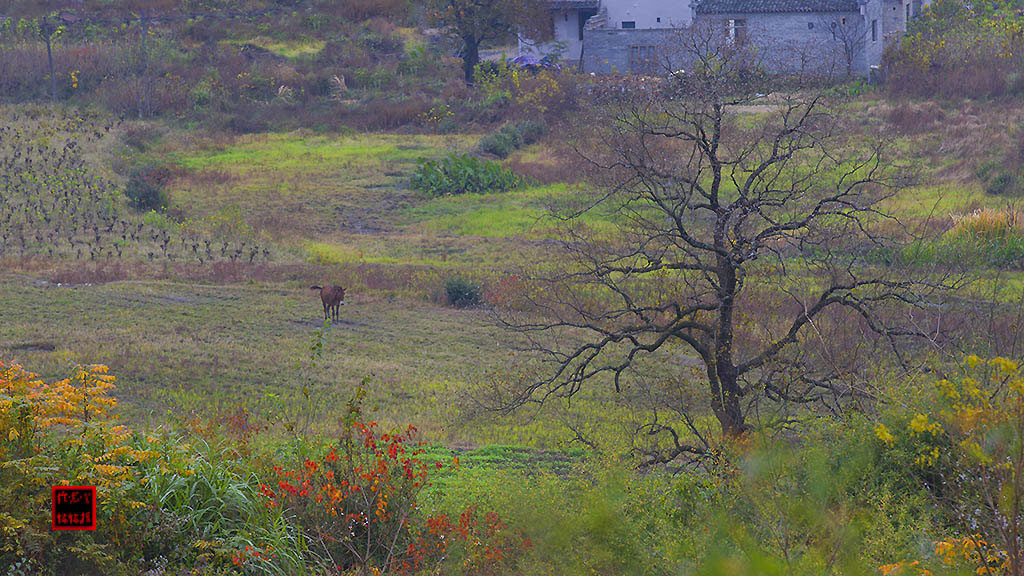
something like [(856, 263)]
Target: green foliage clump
[(146, 188), (462, 175), (959, 49), (462, 292), (1001, 184), (833, 504), (500, 143), (511, 137)]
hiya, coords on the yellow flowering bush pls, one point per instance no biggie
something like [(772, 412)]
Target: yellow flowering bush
[(957, 48), (65, 433), (969, 450)]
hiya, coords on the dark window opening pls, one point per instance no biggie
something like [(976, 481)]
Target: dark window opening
[(736, 30), (584, 16), (810, 25), (643, 60), (874, 30), (628, 25), (658, 18)]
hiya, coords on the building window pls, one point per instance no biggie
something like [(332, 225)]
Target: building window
[(628, 24), (643, 60), (810, 25), (658, 18), (843, 20), (736, 30), (874, 30), (908, 11)]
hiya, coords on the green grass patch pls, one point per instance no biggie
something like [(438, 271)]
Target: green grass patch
[(324, 253), (520, 213), (289, 48), (301, 186), (291, 151)]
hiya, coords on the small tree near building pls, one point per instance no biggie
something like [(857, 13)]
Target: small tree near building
[(476, 21), (850, 36)]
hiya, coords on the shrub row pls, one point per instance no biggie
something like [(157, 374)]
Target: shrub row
[(511, 137), (463, 174)]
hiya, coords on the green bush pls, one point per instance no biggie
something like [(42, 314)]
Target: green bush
[(530, 131), (462, 175), (1002, 183), (985, 170), (500, 144), (145, 188), (462, 292), (511, 137)]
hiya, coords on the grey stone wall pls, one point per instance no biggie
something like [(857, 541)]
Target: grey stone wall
[(790, 42), (875, 11), (801, 42), (606, 50)]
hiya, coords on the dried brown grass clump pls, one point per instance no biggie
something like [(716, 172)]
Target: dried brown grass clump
[(390, 114), (988, 223), (915, 118)]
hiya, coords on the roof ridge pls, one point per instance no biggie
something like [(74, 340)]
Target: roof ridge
[(774, 6)]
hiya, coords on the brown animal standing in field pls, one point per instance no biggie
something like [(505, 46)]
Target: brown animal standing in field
[(332, 297)]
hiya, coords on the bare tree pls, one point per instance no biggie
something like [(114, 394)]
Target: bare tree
[(850, 37), (744, 220)]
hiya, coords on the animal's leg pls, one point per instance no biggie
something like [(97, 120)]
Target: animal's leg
[(325, 310)]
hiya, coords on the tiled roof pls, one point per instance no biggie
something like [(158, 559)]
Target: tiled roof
[(774, 6), (563, 4)]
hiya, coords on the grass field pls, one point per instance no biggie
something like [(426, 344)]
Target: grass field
[(338, 208), (234, 355), (188, 347)]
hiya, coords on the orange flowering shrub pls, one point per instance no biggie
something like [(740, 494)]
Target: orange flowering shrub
[(479, 546), (358, 507), (357, 502)]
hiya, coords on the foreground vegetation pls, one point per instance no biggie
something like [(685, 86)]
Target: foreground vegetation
[(162, 221), (852, 497)]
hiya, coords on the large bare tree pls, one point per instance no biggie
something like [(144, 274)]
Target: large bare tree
[(744, 218)]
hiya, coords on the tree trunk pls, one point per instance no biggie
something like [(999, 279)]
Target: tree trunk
[(725, 386), (726, 405), (726, 399), (470, 58), (144, 82), (53, 77)]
